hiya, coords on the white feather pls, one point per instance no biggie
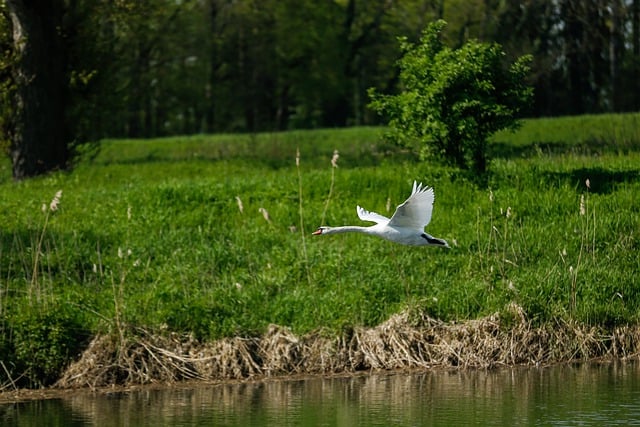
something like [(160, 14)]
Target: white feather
[(365, 215), (415, 212)]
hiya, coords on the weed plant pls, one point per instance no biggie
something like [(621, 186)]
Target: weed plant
[(210, 235)]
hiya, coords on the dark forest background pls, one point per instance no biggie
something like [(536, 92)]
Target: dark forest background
[(149, 68)]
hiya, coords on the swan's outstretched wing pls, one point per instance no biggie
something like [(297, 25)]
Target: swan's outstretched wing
[(365, 215), (415, 212)]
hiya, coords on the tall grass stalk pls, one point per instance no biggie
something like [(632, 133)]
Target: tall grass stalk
[(505, 242), (587, 241), (118, 297), (48, 211), (301, 214), (484, 248), (497, 251), (334, 166)]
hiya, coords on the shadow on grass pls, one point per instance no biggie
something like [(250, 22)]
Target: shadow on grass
[(506, 150), (315, 157), (601, 181)]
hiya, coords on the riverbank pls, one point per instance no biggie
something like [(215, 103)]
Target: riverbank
[(153, 248), (405, 341)]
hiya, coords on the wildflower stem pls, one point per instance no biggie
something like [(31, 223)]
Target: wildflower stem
[(505, 239), (301, 214), (53, 206), (334, 165), (36, 258)]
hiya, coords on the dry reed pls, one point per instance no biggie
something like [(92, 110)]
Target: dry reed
[(402, 342)]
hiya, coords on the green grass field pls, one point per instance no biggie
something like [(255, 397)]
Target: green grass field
[(170, 235)]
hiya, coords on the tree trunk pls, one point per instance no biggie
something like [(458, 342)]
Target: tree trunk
[(214, 64), (39, 137), (634, 98), (635, 27), (616, 41)]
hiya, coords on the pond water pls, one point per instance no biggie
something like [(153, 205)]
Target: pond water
[(565, 395)]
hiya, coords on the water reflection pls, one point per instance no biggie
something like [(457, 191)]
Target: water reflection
[(590, 394)]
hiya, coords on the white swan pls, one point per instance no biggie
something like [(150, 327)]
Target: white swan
[(406, 226)]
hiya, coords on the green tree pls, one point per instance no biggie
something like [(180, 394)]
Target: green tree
[(452, 100)]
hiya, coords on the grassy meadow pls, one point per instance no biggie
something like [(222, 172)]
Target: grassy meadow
[(211, 234)]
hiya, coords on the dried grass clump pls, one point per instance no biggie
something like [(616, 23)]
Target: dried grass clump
[(230, 358), (401, 342), (625, 342), (135, 359)]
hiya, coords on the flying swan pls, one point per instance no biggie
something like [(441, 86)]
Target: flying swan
[(406, 226)]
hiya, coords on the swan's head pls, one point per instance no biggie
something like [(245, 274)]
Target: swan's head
[(321, 230)]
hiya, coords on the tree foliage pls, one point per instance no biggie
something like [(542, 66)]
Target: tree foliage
[(144, 68), (452, 100)]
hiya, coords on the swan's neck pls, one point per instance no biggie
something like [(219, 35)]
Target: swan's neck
[(348, 229)]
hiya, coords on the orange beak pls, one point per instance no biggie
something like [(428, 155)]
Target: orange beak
[(318, 231)]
